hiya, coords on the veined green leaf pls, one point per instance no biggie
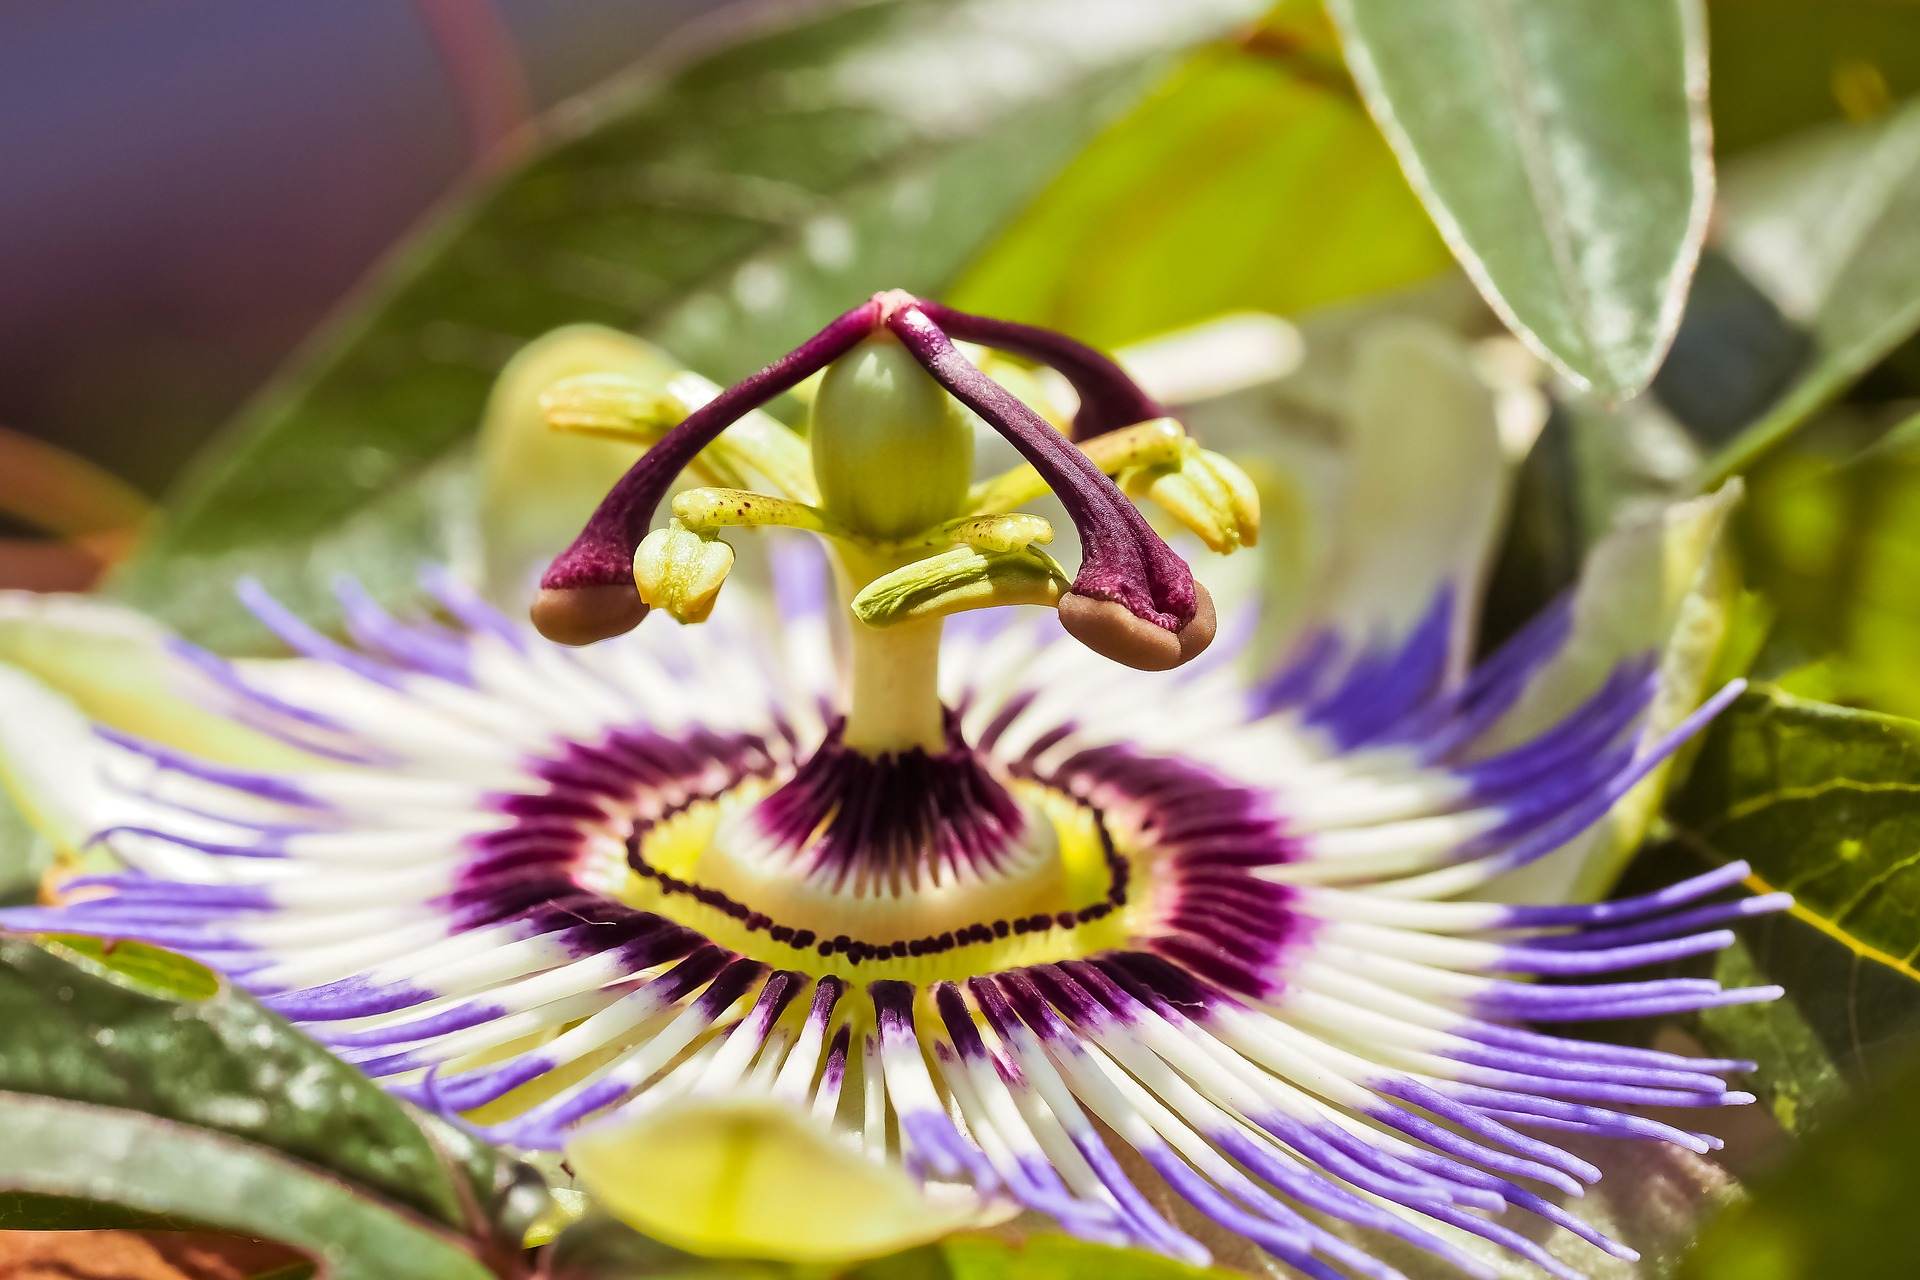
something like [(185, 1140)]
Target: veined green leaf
[(724, 210), (1828, 227), (164, 1167), (1841, 1206), (1562, 149), (1823, 802), (143, 1032)]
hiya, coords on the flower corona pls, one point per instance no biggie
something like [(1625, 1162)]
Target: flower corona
[(918, 865)]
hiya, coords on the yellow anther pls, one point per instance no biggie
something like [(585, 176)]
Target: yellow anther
[(960, 579), (704, 509), (611, 406), (639, 410), (1145, 444), (1204, 491), (1005, 531), (680, 571)]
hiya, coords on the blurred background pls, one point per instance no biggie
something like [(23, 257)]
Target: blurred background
[(190, 187)]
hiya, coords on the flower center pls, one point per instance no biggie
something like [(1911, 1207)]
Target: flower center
[(895, 849), (915, 864)]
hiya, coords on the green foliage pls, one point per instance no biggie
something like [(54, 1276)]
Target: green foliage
[(1825, 225), (724, 211), (1824, 802), (601, 1248), (1832, 535), (149, 1047), (1562, 150), (1842, 1207), (168, 1168), (1251, 180), (1780, 66), (1045, 1257)]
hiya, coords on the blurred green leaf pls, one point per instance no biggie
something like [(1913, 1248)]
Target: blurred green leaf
[(1843, 1206), (724, 210), (1823, 802), (25, 854), (599, 1247), (131, 1028), (602, 1248), (1043, 1257), (1563, 151), (1832, 535), (159, 1166), (1827, 226), (1780, 66), (1252, 180), (28, 1211)]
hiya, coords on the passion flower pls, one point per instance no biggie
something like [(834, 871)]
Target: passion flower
[(943, 880)]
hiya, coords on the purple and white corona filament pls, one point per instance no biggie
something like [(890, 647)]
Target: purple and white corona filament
[(988, 904)]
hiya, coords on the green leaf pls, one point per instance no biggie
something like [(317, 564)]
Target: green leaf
[(1823, 802), (25, 854), (604, 1248), (1044, 1257), (140, 965), (1780, 66), (1252, 180), (1562, 149), (1828, 227), (1833, 538), (162, 1167), (28, 1211), (130, 1027), (1843, 1206), (724, 210)]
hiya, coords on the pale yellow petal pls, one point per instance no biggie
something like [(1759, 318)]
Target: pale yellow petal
[(752, 1178)]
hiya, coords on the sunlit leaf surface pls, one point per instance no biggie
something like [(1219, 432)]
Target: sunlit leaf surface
[(1562, 150), (1827, 225), (1252, 180)]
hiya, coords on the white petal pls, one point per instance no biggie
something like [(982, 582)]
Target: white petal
[(1659, 585)]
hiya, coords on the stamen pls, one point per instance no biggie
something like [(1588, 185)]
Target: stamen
[(588, 592), (1134, 600), (1109, 399)]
